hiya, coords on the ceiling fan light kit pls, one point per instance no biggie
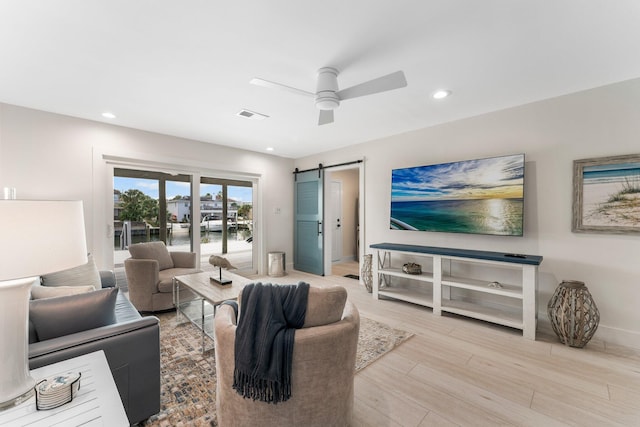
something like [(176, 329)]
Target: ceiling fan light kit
[(327, 96)]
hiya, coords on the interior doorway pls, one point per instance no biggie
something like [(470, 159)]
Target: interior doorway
[(345, 220)]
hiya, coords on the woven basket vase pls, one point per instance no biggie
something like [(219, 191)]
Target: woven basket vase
[(573, 313), (366, 273)]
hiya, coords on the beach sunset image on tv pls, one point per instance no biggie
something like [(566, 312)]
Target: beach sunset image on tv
[(483, 196)]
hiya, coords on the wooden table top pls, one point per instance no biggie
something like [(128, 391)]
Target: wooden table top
[(201, 284)]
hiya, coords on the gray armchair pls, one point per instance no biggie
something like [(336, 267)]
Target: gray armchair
[(150, 272), (323, 367)]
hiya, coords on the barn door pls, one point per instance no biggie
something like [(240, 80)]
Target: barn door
[(308, 232)]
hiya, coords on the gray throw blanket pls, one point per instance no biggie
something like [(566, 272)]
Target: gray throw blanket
[(269, 316)]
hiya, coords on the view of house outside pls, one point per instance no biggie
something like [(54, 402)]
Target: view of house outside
[(137, 202)]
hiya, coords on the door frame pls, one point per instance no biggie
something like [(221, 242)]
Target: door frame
[(361, 213), (336, 202), (104, 163)]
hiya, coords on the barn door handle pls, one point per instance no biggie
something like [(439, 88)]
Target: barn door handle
[(319, 228)]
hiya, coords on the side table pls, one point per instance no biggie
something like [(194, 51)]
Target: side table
[(97, 403)]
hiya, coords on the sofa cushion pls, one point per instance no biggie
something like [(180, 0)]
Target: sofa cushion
[(325, 305), (82, 275), (38, 291), (152, 250), (55, 317)]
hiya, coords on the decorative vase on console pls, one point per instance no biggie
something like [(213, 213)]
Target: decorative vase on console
[(573, 313)]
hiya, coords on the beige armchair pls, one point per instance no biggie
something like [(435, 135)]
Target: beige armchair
[(150, 272), (324, 356)]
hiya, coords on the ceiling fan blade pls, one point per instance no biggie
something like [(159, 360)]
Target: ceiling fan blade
[(326, 117), (266, 83), (381, 84)]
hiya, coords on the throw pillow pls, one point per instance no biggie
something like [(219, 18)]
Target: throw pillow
[(56, 317), (38, 291), (325, 305), (152, 250), (83, 275)]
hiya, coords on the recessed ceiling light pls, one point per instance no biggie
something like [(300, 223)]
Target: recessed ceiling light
[(441, 94), (269, 148), (108, 115)]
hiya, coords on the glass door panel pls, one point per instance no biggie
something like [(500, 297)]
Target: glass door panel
[(150, 206), (179, 214), (135, 216), (226, 223), (240, 237)]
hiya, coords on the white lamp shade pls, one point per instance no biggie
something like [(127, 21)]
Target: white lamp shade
[(40, 237), (37, 237), (15, 382)]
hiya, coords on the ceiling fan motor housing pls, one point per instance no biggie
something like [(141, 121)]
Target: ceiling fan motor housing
[(326, 98)]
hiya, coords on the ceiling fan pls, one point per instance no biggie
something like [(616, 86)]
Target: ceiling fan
[(327, 95)]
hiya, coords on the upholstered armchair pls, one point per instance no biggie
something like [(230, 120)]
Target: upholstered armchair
[(324, 355), (150, 272)]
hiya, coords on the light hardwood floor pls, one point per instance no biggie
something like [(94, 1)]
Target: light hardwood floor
[(458, 371)]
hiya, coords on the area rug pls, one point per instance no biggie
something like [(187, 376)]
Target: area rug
[(188, 377)]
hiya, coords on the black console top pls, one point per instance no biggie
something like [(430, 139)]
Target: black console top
[(462, 253)]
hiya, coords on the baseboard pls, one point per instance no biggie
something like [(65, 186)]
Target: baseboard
[(617, 336), (607, 334), (345, 259)]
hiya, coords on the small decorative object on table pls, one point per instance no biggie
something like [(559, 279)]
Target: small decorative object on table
[(220, 280), (412, 268), (220, 262), (367, 275), (573, 313), (57, 390)]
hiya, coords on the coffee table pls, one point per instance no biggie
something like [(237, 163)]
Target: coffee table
[(210, 295)]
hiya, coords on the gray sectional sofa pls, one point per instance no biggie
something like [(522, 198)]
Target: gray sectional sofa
[(68, 326)]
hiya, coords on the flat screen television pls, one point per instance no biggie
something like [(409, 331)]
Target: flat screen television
[(482, 196)]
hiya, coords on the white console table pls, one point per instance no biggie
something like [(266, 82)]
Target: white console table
[(433, 287), (97, 403)]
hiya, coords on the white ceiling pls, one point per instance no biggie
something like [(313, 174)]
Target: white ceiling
[(183, 67)]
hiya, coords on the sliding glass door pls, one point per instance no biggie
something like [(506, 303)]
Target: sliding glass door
[(226, 224), (156, 206)]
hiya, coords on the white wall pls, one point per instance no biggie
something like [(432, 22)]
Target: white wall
[(50, 156), (552, 133)]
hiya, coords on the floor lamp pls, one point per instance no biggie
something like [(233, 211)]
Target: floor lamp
[(38, 237)]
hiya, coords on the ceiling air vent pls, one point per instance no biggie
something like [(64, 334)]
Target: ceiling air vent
[(251, 115)]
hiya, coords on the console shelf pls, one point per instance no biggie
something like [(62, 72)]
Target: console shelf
[(512, 291), (409, 295), (434, 288), (504, 317)]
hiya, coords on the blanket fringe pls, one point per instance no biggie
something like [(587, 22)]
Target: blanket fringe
[(260, 389)]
